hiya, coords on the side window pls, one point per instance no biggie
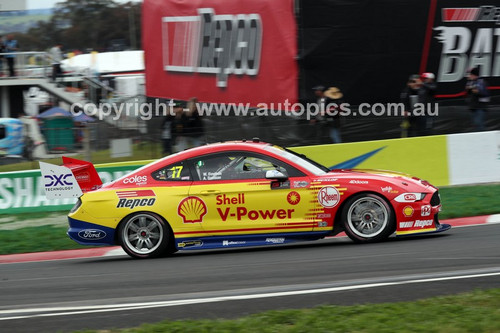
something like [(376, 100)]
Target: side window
[(234, 167), (173, 172)]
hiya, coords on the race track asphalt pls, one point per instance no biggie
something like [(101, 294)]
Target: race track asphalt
[(117, 291)]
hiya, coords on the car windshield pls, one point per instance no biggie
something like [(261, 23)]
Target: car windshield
[(299, 159)]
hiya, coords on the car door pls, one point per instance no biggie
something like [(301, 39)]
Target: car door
[(240, 200)]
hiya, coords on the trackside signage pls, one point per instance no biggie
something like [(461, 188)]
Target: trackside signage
[(221, 51), (25, 191)]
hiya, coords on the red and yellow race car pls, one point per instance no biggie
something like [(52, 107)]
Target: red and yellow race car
[(238, 194)]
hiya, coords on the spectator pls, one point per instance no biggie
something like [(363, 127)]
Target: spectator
[(478, 98), (166, 134), (11, 46), (316, 123), (56, 57), (426, 96), (411, 125), (331, 118), (195, 131), (179, 128)]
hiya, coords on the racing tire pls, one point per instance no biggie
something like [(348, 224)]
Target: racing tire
[(368, 218), (145, 235)]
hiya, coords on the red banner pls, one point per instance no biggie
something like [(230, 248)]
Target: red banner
[(221, 51)]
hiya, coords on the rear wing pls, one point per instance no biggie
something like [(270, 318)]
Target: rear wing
[(69, 180)]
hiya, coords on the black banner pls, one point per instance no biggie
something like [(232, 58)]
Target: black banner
[(370, 48)]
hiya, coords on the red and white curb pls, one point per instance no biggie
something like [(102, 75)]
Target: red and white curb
[(116, 250)]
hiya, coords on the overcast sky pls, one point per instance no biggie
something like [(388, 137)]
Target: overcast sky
[(39, 4)]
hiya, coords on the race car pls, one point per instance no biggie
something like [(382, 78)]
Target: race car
[(237, 194)]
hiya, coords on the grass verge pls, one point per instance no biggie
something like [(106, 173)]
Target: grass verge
[(457, 202), (477, 311)]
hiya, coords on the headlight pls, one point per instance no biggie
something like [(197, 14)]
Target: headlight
[(410, 197), (76, 206)]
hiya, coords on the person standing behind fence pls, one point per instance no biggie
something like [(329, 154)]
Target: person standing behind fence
[(427, 92), (195, 130), (333, 100), (478, 97), (411, 125), (56, 57), (11, 46)]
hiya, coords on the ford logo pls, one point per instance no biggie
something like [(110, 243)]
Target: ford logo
[(92, 234)]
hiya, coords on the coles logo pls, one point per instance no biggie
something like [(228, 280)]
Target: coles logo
[(408, 211), (192, 209), (328, 196), (136, 180), (293, 198)]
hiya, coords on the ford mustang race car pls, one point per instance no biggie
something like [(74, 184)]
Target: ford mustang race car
[(238, 194)]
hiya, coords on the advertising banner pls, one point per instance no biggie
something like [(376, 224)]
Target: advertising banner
[(221, 51), (462, 34), (370, 48)]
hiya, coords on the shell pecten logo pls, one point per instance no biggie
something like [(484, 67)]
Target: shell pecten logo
[(192, 209)]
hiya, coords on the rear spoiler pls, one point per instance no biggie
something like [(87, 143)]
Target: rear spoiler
[(69, 180)]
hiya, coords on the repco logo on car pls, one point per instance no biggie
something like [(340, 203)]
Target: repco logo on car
[(135, 180), (132, 203), (328, 196)]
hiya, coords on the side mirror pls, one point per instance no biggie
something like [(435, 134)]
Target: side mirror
[(275, 175)]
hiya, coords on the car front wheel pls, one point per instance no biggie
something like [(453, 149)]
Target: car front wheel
[(368, 218), (144, 235)]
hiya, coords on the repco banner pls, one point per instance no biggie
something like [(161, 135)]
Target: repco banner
[(461, 35), (221, 51)]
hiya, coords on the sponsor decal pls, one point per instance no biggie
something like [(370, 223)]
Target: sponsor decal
[(404, 225), (276, 185), (361, 182), (322, 224), (241, 213), (425, 210), (132, 203), (229, 243), (326, 179), (423, 223), (58, 180), (388, 189), (408, 211), (293, 198), (407, 197), (300, 184), (213, 44), (279, 240), (190, 243), (192, 209), (83, 177), (224, 199), (416, 224), (132, 199), (91, 234), (328, 196), (136, 180), (323, 216)]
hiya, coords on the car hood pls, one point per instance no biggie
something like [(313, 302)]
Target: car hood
[(400, 179)]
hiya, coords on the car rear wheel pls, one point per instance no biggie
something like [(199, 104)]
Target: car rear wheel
[(144, 235), (368, 218)]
